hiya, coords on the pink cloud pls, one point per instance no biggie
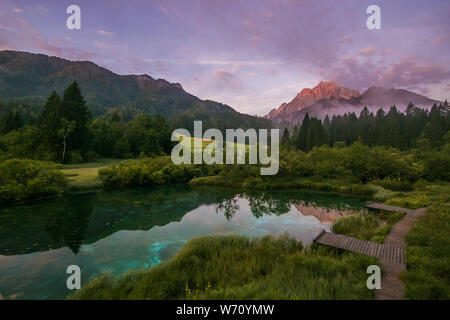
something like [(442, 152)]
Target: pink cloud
[(105, 33), (405, 72), (440, 40), (227, 79), (367, 51)]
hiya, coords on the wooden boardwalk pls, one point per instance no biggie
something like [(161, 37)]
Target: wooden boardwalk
[(368, 248), (385, 207), (391, 254)]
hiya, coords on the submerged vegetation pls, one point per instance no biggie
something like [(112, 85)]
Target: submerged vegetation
[(233, 267), (428, 256)]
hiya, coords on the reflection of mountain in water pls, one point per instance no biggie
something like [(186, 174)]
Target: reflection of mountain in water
[(79, 219), (323, 214)]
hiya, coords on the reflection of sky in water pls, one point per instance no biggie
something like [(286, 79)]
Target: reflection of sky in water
[(41, 275)]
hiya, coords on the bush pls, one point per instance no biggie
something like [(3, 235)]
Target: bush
[(76, 157), (22, 180), (394, 184), (92, 156), (149, 171), (437, 166)]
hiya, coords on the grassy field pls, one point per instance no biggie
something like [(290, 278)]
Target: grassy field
[(424, 194), (85, 176), (233, 267), (428, 256), (189, 142)]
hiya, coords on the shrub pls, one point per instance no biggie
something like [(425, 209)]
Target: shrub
[(437, 166), (149, 171), (92, 156), (22, 180), (394, 184), (76, 157)]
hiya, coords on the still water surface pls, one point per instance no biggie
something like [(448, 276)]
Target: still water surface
[(115, 231)]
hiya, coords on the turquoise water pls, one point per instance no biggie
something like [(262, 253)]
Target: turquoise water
[(115, 231)]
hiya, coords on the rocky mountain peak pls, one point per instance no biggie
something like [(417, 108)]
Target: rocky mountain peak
[(307, 96), (330, 98)]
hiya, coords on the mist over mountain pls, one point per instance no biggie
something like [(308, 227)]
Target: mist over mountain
[(330, 98), (30, 78)]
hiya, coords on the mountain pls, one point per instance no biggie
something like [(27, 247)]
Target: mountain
[(29, 79), (330, 98)]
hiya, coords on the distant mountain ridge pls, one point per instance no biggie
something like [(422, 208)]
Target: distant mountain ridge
[(30, 78), (330, 98)]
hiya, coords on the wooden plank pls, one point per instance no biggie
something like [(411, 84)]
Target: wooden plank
[(382, 206), (359, 246)]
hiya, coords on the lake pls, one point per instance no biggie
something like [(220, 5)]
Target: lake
[(116, 231)]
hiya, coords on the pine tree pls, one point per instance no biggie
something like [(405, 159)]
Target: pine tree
[(302, 138), (11, 121), (285, 140), (115, 117), (49, 122), (74, 109)]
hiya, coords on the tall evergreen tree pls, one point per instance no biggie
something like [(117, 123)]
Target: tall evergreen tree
[(302, 138), (115, 117), (11, 121), (285, 140), (74, 109), (49, 122)]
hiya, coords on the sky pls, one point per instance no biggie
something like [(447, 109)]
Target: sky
[(250, 54)]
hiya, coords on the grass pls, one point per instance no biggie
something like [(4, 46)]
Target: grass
[(235, 267), (424, 194), (98, 164), (367, 226), (428, 256), (189, 142), (84, 176)]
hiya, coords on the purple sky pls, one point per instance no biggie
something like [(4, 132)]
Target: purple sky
[(250, 54)]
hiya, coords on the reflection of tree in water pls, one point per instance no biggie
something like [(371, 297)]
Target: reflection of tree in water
[(266, 204), (261, 203), (69, 224), (225, 200), (228, 207), (275, 202)]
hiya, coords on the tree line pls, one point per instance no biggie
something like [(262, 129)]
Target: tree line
[(415, 128), (64, 131)]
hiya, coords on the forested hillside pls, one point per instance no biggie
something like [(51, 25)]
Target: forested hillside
[(26, 81)]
